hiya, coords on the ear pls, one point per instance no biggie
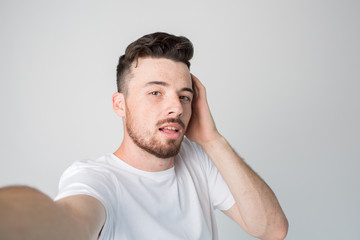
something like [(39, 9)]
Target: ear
[(118, 100)]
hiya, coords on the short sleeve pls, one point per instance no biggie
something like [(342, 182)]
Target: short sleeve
[(85, 178), (219, 191)]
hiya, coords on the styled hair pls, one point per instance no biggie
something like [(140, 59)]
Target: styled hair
[(156, 45)]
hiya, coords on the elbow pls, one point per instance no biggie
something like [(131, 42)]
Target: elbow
[(280, 233), (284, 229), (277, 231)]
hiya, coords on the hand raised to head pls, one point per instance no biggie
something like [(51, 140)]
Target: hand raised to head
[(201, 128)]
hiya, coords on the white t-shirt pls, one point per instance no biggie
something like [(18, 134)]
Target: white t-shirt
[(177, 203)]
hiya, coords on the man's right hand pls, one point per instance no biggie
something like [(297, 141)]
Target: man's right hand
[(26, 213)]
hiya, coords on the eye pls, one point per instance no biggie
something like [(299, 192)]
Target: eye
[(155, 93), (185, 98)]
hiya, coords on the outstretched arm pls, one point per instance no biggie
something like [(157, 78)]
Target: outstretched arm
[(256, 210), (29, 214)]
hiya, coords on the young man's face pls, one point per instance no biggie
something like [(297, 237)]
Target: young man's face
[(158, 105)]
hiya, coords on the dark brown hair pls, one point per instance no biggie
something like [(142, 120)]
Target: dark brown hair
[(156, 45)]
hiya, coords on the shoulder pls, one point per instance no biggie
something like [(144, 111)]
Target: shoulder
[(88, 177), (96, 165), (89, 171), (192, 153), (189, 147)]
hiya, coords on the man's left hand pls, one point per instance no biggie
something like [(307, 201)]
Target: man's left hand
[(201, 128)]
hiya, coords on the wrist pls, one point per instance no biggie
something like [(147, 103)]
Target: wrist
[(212, 142)]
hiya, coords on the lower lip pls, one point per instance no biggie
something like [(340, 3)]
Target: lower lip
[(171, 135)]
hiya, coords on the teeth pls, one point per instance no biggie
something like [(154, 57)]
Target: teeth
[(170, 128)]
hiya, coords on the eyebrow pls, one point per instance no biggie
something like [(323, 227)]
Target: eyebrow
[(166, 85)]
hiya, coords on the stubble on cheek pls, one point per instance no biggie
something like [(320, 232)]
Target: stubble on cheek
[(150, 141)]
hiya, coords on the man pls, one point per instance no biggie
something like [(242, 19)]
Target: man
[(172, 170)]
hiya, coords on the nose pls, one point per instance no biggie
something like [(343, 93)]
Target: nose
[(174, 107)]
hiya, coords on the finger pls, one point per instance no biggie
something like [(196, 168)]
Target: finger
[(198, 87), (196, 81)]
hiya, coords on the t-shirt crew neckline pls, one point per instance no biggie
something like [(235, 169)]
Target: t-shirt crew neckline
[(156, 175)]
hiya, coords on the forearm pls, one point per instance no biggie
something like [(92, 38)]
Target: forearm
[(29, 214), (257, 204)]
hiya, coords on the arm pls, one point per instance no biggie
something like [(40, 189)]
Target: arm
[(27, 213), (256, 210)]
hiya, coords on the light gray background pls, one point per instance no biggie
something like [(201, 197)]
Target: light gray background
[(282, 80)]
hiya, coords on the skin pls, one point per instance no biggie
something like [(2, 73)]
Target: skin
[(256, 210), (159, 89), (27, 213)]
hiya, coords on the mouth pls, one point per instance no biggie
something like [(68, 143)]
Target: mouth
[(171, 130)]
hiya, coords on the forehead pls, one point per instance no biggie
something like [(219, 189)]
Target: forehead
[(149, 69)]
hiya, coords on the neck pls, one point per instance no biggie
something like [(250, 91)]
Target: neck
[(138, 158)]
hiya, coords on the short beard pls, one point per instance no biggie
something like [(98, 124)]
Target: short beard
[(151, 144)]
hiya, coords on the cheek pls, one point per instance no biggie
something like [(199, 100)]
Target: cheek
[(140, 106), (187, 113), (147, 113)]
